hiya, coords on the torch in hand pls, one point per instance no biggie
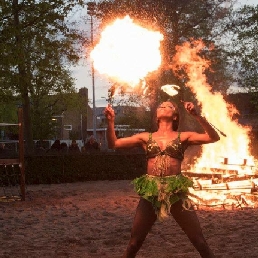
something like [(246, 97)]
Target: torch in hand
[(173, 89), (111, 93)]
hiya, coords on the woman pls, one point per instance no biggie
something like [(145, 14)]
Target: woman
[(163, 190)]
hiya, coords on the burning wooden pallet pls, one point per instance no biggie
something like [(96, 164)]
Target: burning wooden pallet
[(224, 200), (224, 188), (209, 185)]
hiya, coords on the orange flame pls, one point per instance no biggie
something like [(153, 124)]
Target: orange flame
[(234, 147), (127, 52)]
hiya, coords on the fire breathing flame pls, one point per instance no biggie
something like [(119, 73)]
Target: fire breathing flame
[(127, 52), (234, 147)]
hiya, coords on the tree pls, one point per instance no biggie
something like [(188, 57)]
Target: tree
[(36, 45), (243, 49)]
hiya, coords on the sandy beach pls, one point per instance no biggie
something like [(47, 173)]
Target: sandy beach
[(93, 219)]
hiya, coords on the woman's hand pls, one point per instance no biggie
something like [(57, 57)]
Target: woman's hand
[(109, 113), (189, 106)]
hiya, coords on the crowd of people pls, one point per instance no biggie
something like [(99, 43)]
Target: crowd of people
[(58, 147)]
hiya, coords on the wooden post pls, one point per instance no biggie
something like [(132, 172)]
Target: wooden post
[(21, 153)]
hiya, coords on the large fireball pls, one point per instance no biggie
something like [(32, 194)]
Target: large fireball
[(127, 52)]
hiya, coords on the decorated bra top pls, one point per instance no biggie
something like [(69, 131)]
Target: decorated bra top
[(175, 148)]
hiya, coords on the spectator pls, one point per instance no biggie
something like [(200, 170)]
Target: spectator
[(74, 148), (91, 145), (63, 148), (55, 147), (40, 148)]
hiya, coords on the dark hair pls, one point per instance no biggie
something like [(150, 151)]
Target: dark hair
[(175, 123)]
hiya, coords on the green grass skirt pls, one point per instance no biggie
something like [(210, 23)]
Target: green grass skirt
[(163, 192)]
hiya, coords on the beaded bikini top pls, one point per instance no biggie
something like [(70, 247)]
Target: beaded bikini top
[(174, 149)]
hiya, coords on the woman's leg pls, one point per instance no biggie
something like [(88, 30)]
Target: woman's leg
[(189, 222), (144, 219)]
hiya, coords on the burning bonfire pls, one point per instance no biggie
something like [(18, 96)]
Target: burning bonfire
[(225, 175)]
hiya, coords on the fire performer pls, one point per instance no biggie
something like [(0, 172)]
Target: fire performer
[(163, 190)]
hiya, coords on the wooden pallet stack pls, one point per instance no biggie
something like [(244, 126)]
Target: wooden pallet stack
[(224, 188)]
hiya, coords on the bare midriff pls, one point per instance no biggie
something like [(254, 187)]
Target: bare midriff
[(173, 167)]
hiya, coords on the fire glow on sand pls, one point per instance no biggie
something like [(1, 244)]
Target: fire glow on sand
[(127, 52)]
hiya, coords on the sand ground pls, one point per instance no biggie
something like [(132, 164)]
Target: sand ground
[(93, 219)]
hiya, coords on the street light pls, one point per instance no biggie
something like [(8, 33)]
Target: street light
[(54, 118), (91, 11)]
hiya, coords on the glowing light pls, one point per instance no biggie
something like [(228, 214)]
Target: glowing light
[(127, 52)]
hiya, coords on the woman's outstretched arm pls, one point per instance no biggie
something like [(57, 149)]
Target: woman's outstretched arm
[(127, 142)]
